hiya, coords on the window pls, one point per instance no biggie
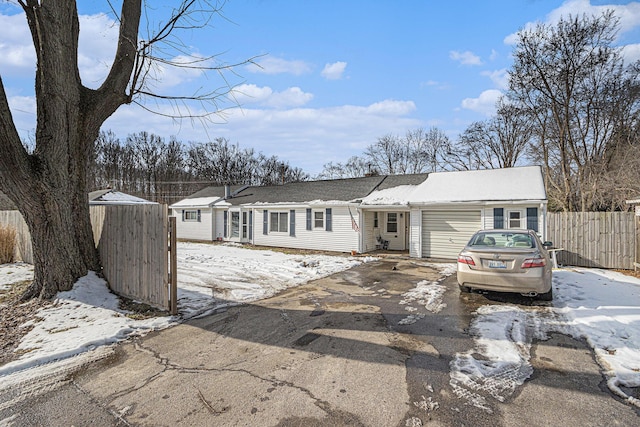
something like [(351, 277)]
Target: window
[(235, 224), (392, 222), (514, 219), (245, 225), (190, 215), (279, 222), (375, 220), (318, 219)]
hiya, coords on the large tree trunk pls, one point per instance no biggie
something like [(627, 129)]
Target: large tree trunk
[(62, 241), (49, 185)]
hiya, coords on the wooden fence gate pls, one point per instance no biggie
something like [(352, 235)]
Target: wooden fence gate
[(594, 239), (137, 248)]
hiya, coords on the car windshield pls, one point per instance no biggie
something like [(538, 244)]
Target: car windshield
[(502, 240)]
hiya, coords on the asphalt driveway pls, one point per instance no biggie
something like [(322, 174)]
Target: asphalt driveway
[(358, 348)]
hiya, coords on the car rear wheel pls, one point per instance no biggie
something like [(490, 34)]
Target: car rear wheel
[(464, 289), (547, 296)]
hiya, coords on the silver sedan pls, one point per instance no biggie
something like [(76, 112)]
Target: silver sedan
[(506, 261)]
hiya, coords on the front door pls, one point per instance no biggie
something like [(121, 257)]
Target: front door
[(394, 230)]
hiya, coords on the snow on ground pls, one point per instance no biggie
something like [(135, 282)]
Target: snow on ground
[(14, 273), (230, 274), (209, 277), (600, 306)]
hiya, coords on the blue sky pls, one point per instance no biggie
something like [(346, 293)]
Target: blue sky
[(334, 76)]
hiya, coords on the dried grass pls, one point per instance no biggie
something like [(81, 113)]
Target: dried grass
[(7, 244)]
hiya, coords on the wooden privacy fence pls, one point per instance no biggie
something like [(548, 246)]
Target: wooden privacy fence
[(14, 220), (136, 251), (594, 239)]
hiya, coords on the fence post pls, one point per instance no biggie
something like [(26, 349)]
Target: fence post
[(173, 264)]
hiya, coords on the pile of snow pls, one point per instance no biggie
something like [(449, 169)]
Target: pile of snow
[(600, 306), (209, 277), (215, 276)]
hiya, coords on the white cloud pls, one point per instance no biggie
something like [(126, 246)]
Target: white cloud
[(292, 97), (499, 77), (306, 137), (334, 71), (629, 15), (17, 55), (392, 107), (251, 94), (96, 47), (485, 103), (465, 58), (273, 65), (631, 53)]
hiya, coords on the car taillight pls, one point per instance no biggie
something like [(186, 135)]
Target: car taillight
[(534, 262), (465, 259)]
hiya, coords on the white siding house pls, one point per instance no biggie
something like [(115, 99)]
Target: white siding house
[(429, 216), (454, 205)]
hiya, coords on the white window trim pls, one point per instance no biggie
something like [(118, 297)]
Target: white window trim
[(313, 219), (187, 212), (278, 231), (231, 235), (397, 222), (522, 220)]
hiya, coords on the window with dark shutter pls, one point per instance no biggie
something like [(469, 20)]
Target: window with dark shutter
[(225, 221), (498, 218), (292, 223), (250, 225), (308, 219), (265, 222), (532, 219)]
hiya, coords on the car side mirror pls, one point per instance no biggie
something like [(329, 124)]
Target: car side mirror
[(547, 245)]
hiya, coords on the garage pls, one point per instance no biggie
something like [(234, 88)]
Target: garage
[(444, 233)]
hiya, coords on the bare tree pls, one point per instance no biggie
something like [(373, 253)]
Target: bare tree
[(573, 82), (354, 167), (499, 142), (49, 186)]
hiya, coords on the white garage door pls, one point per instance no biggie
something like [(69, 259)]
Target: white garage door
[(444, 233)]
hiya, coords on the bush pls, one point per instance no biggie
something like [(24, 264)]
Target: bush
[(7, 244)]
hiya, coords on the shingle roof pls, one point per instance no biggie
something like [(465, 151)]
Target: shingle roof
[(396, 180), (308, 191), (345, 190)]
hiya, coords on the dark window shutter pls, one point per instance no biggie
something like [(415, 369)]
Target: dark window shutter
[(498, 218), (308, 218), (250, 225), (199, 215), (182, 215), (532, 219), (226, 223), (265, 222), (292, 223), (327, 220)]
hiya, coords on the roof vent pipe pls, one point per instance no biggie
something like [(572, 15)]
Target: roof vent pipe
[(227, 191)]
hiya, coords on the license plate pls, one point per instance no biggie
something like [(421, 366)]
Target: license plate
[(497, 264)]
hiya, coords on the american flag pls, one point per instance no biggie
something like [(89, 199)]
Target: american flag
[(354, 224)]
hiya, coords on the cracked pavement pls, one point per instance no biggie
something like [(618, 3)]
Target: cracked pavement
[(333, 352)]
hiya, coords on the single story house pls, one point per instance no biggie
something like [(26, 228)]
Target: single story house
[(429, 215)]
